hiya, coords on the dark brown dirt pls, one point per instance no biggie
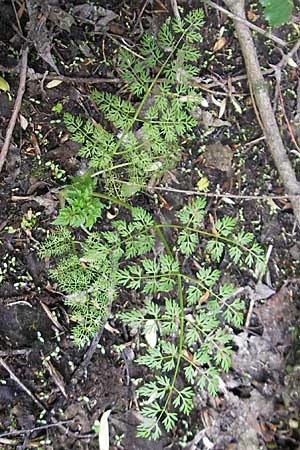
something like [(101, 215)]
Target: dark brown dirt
[(258, 406)]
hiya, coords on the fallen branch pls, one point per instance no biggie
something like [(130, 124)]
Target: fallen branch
[(17, 106), (242, 19), (33, 76), (197, 193), (78, 373), (14, 377), (35, 429), (79, 80), (260, 90)]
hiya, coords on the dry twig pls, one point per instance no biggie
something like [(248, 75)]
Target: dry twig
[(208, 194), (32, 430), (263, 102), (242, 19), (14, 377), (77, 375), (175, 8), (17, 106)]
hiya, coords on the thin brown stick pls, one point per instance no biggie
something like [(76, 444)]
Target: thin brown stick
[(32, 430), (41, 76), (213, 194), (16, 109), (243, 20), (79, 80), (19, 382), (290, 54), (263, 102), (11, 353), (290, 130), (78, 373), (175, 8), (16, 16), (255, 108)]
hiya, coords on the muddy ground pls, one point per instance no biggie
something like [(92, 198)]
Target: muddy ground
[(257, 406)]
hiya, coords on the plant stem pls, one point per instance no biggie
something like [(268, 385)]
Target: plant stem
[(112, 199), (180, 348), (110, 169), (148, 92)]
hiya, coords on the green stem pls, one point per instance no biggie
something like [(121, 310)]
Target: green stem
[(112, 199), (209, 234), (110, 169), (180, 349), (181, 324), (148, 92)]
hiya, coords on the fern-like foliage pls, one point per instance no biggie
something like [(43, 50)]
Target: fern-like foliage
[(196, 344), (88, 272), (143, 136), (189, 310)]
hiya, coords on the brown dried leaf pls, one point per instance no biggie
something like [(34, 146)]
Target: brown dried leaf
[(252, 16), (51, 317), (204, 298), (219, 44), (57, 377)]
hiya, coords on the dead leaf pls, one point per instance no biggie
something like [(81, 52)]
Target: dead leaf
[(4, 86), (215, 101), (112, 215), (202, 184), (219, 156), (23, 122), (292, 63), (236, 105), (261, 292), (51, 317), (204, 298), (151, 332), (53, 83), (219, 44), (57, 377), (116, 28), (109, 328), (35, 144), (47, 201), (21, 10), (60, 18), (188, 355), (222, 108), (164, 202), (212, 222), (104, 431), (252, 16)]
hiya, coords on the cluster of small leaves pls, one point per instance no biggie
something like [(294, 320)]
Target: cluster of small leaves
[(57, 243), (145, 139), (82, 208), (277, 12), (155, 275), (88, 271), (190, 314), (197, 342), (241, 245), (205, 349)]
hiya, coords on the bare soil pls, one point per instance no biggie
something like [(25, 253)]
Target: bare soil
[(257, 406)]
